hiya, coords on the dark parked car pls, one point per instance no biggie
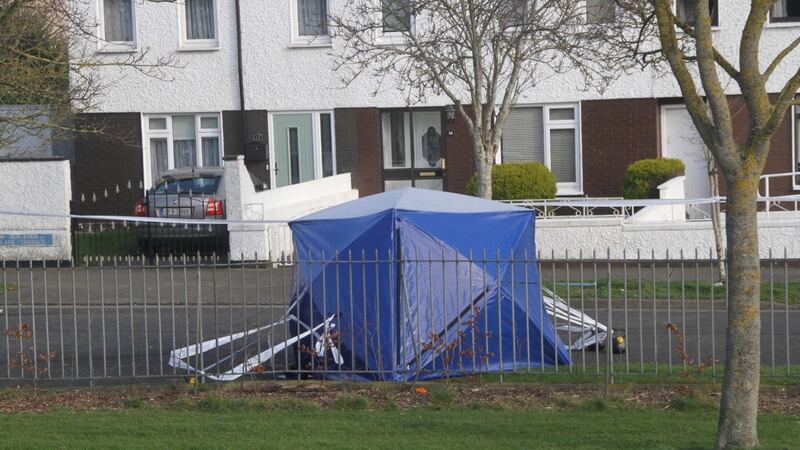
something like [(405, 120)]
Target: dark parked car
[(197, 194)]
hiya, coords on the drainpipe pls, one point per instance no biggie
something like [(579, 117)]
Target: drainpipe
[(242, 110)]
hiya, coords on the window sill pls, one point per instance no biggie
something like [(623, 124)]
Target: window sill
[(319, 42), (714, 28), (568, 192), (198, 46), (782, 24), (390, 40), (116, 48)]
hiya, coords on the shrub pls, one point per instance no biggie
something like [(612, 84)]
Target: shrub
[(642, 178), (519, 181)]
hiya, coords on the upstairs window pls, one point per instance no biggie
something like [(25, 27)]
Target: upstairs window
[(600, 11), (310, 25), (684, 9), (785, 11), (199, 23), (312, 17), (117, 23), (513, 13), (397, 16)]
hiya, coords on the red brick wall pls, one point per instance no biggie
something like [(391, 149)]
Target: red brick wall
[(106, 160), (779, 159), (460, 156), (614, 134), (358, 147), (256, 130)]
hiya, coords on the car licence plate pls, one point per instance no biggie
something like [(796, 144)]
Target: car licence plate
[(171, 212)]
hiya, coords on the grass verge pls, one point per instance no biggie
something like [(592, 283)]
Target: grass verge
[(780, 291), (593, 424)]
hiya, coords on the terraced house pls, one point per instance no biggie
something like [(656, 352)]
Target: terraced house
[(256, 78)]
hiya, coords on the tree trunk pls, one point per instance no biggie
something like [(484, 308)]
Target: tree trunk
[(716, 219), (483, 177), (739, 404)]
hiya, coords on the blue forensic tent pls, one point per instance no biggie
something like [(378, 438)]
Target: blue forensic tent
[(421, 284)]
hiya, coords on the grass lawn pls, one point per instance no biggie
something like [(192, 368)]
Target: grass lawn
[(691, 290), (594, 424), (647, 373), (120, 242)]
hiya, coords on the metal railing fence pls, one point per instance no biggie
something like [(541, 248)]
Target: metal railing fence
[(195, 314)]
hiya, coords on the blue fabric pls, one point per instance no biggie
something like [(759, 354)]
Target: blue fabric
[(418, 293)]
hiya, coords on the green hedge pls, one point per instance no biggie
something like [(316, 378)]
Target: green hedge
[(642, 178), (519, 181)]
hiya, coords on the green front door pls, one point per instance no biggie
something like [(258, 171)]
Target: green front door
[(294, 148)]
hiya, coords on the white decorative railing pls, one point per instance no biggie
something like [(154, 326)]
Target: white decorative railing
[(780, 207), (769, 177)]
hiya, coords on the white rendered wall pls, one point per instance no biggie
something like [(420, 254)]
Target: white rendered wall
[(198, 81), (36, 186), (564, 238), (274, 240), (281, 77)]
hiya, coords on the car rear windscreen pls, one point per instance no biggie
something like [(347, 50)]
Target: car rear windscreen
[(196, 185)]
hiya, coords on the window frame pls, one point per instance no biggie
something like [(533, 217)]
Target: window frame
[(597, 24), (390, 38), (105, 46), (714, 27), (563, 188), (308, 41), (199, 134), (186, 44), (316, 131), (795, 148), (789, 21)]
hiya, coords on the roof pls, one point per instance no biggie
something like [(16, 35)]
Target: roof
[(412, 199)]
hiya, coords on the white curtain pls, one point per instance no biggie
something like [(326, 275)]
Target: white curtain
[(183, 143), (118, 20), (210, 152), (685, 10), (600, 11), (312, 17), (779, 9), (396, 15), (200, 19), (185, 155), (158, 158)]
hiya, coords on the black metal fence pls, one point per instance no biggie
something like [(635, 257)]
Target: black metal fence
[(178, 316)]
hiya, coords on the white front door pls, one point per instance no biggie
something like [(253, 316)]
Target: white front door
[(681, 141)]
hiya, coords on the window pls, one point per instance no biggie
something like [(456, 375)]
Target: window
[(600, 11), (396, 142), (180, 140), (310, 23), (684, 9), (513, 13), (397, 15), (117, 24), (785, 11), (198, 19), (548, 135)]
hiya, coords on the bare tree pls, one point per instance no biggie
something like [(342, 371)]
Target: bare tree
[(650, 32), (478, 54), (48, 68)]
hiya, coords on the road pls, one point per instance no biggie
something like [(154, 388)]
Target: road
[(123, 342)]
